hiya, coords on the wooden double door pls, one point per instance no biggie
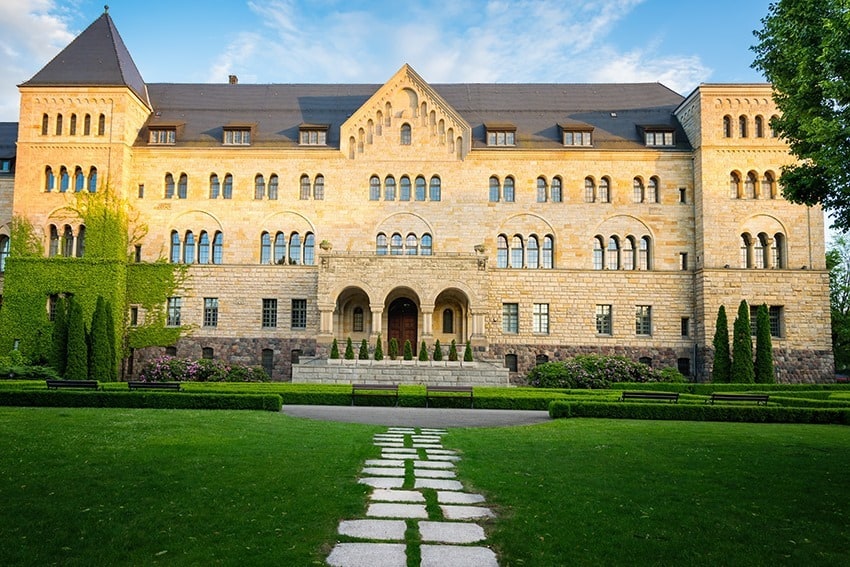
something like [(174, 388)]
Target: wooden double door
[(403, 323)]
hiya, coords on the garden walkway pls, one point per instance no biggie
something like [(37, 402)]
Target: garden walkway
[(417, 508)]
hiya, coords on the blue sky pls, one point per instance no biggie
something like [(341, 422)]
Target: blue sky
[(677, 43)]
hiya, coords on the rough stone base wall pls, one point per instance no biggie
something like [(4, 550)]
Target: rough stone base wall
[(322, 371), (798, 366)]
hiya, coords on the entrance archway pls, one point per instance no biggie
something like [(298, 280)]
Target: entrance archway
[(403, 323)]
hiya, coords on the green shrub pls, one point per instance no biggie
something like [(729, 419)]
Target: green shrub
[(467, 352), (742, 346), (334, 349), (594, 371), (173, 369), (423, 352), (453, 351), (764, 348), (672, 375), (349, 349), (393, 348), (363, 354), (408, 351), (28, 372), (721, 370), (146, 399), (379, 349), (438, 351)]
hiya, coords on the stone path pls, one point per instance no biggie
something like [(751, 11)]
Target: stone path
[(417, 508)]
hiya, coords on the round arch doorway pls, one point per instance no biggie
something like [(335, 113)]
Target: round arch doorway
[(403, 323)]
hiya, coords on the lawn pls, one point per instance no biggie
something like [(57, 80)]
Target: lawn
[(173, 487), (622, 492)]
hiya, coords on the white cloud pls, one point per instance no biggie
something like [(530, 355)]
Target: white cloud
[(682, 74)]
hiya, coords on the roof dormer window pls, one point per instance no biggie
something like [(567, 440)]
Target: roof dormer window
[(313, 134), (163, 135), (577, 135), (658, 136), (501, 134), (238, 134)]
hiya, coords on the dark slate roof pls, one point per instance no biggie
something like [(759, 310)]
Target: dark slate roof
[(96, 57), (8, 139), (616, 112)]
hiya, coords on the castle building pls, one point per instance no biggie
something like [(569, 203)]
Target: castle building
[(535, 221)]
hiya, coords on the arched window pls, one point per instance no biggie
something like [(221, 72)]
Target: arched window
[(495, 189), (644, 252), (357, 320), (101, 125), (374, 188), (652, 190), (4, 251), (420, 188), (426, 245), (49, 179), (174, 257), (735, 185), (548, 252), (598, 253), (318, 188), (760, 250), (309, 249), (273, 182), (204, 248), (589, 190), (750, 186), (259, 186), (381, 244), (279, 248), (215, 186), (768, 186), (58, 124), (411, 245), (727, 126), (218, 248), (189, 248), (508, 190), (93, 180), (45, 124), (395, 245), (183, 186), (638, 190), (389, 188), (405, 134), (532, 256), (517, 251), (81, 241), (87, 125), (169, 186), (629, 253), (404, 189), (68, 242), (556, 193), (502, 251), (604, 191), (613, 254), (265, 248), (79, 179), (746, 257), (777, 250), (542, 190), (304, 193), (759, 127), (227, 192), (448, 321), (53, 248), (72, 125), (295, 249), (435, 189), (370, 131), (64, 179), (742, 126)]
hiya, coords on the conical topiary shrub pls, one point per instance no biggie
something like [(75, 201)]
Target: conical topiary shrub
[(379, 349), (722, 368), (335, 349), (438, 351), (453, 352), (467, 353), (408, 351), (423, 352), (393, 348), (349, 349), (742, 346), (363, 354)]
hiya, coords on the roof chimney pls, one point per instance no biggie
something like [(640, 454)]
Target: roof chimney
[(232, 79)]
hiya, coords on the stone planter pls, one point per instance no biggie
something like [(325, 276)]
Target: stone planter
[(409, 362), (452, 363), (335, 361), (468, 364)]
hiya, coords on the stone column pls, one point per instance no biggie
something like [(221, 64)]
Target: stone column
[(377, 316), (427, 321)]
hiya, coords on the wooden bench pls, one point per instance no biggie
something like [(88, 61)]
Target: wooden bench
[(173, 386), (757, 398), (383, 390), (79, 384), (672, 397), (453, 391)]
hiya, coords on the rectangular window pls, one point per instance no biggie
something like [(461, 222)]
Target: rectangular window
[(510, 318), (643, 320), (163, 136), (237, 137), (577, 138), (658, 138), (134, 316), (683, 261), (210, 312), (683, 195), (5, 165), (173, 315), (137, 253), (501, 137), (141, 190), (603, 319), (313, 137), (269, 313), (540, 316), (686, 326), (299, 314)]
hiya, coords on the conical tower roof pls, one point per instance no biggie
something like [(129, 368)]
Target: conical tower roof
[(96, 57)]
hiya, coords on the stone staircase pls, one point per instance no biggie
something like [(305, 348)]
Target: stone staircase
[(324, 371)]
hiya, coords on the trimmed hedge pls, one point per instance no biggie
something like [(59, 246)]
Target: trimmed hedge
[(149, 400), (707, 389), (699, 412)]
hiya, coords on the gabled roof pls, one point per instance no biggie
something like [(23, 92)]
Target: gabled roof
[(96, 57)]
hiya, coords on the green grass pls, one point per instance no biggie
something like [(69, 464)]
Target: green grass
[(173, 487), (612, 492)]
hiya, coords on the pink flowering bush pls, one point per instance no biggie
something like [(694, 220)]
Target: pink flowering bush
[(595, 372), (173, 369)]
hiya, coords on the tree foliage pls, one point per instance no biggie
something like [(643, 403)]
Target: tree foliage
[(78, 355), (764, 347), (721, 370), (101, 363), (838, 264), (742, 346), (59, 337), (804, 51)]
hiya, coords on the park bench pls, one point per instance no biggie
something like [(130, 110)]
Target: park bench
[(757, 398), (173, 386), (79, 384), (672, 397), (373, 390), (448, 391)]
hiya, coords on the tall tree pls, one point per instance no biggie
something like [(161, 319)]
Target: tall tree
[(764, 347), (100, 353), (59, 338), (838, 264), (742, 346), (804, 51), (722, 368), (78, 356)]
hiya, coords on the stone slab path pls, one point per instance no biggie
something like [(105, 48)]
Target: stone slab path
[(417, 508)]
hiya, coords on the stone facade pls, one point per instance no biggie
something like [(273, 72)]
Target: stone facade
[(450, 280)]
